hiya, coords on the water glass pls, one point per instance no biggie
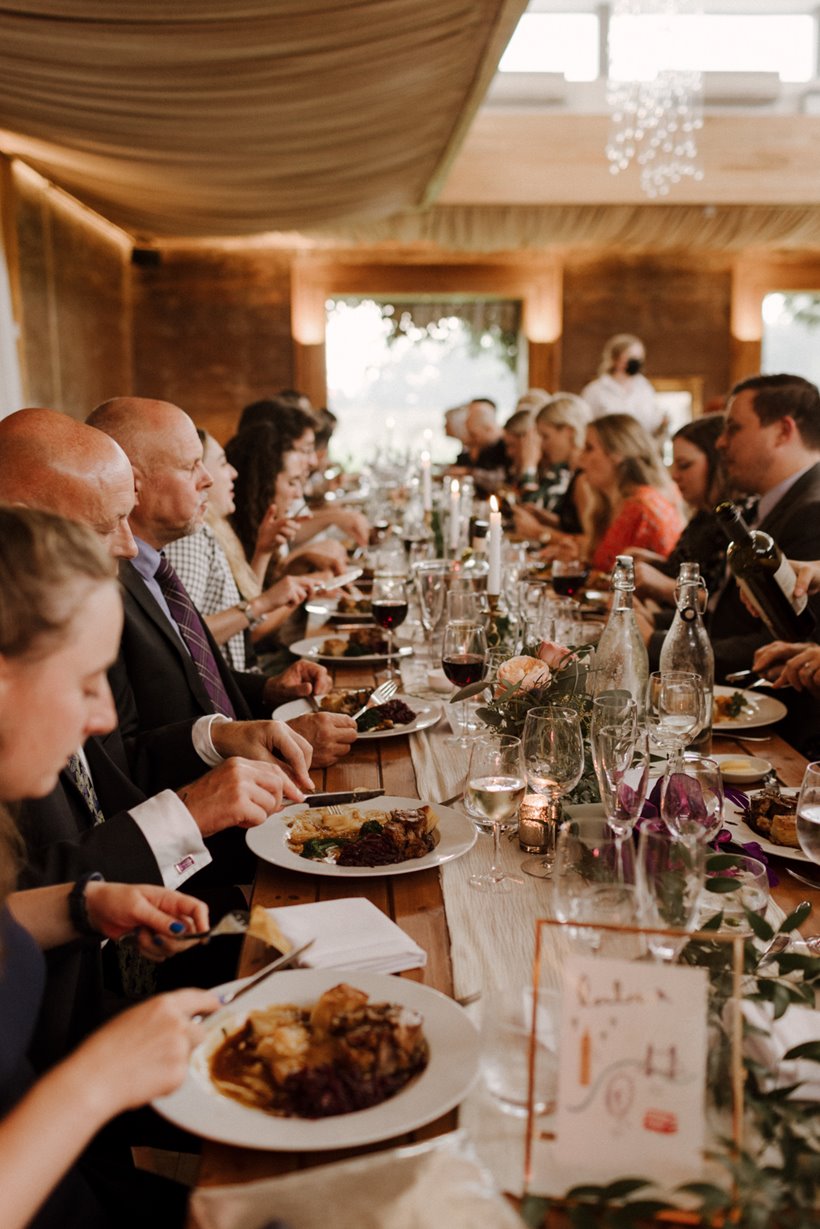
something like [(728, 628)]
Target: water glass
[(494, 789), (506, 1024), (734, 884), (594, 882), (808, 813), (670, 875), (674, 709), (692, 797)]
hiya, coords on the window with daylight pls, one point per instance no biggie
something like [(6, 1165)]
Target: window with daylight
[(394, 366), (566, 43), (791, 333)]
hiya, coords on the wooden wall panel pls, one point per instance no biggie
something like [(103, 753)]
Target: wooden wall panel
[(212, 331), (680, 308)]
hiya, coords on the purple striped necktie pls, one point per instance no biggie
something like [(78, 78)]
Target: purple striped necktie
[(187, 619)]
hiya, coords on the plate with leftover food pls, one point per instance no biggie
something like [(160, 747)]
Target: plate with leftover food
[(364, 644), (771, 820), (311, 1061), (379, 836), (401, 715), (744, 710), (345, 609)]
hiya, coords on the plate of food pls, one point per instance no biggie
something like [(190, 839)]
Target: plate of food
[(388, 835), (771, 821), (306, 1061), (363, 644), (744, 710), (401, 715), (344, 609)]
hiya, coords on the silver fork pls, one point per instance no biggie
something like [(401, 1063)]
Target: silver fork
[(385, 691)]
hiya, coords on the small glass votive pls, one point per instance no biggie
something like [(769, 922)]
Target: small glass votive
[(537, 825)]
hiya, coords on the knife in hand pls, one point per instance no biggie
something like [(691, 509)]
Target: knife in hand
[(281, 962), (350, 795)]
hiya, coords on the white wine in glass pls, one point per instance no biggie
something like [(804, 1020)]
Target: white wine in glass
[(495, 787)]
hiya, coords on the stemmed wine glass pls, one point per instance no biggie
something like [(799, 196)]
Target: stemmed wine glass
[(463, 660), (553, 751), (692, 797), (671, 875), (675, 701), (494, 789), (430, 583), (389, 605), (620, 756)]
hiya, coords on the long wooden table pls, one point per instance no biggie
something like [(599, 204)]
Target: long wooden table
[(415, 902)]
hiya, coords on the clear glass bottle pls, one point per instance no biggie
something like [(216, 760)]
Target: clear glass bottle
[(621, 659), (686, 645)]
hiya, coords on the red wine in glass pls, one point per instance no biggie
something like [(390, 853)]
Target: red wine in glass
[(463, 668), (389, 612), (568, 586)]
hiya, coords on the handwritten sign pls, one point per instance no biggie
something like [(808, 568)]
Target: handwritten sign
[(632, 1072)]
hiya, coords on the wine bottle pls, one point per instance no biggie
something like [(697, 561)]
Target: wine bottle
[(621, 659), (686, 645), (765, 576)]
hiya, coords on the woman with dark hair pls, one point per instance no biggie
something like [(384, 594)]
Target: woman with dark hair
[(60, 625), (634, 502), (698, 474)]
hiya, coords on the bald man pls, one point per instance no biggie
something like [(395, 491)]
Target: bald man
[(169, 668)]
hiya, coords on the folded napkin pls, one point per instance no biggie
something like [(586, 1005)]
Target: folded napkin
[(348, 934), (797, 1026), (436, 1183)]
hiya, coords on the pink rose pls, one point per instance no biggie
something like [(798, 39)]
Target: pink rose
[(524, 672), (553, 654)]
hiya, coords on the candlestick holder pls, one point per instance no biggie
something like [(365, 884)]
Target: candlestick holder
[(497, 621)]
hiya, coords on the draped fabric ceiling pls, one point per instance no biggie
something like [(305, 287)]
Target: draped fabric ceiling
[(230, 117)]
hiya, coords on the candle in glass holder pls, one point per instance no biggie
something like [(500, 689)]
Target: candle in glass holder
[(536, 824)]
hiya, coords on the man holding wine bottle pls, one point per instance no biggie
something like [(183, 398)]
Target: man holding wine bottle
[(770, 447)]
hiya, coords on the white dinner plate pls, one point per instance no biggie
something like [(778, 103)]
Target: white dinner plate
[(328, 608), (456, 834), (311, 649), (742, 833), (426, 715), (762, 710), (198, 1106)]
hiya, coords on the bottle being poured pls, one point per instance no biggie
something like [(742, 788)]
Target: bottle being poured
[(686, 645), (621, 659)]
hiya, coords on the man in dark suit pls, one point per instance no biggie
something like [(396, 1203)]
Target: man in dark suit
[(771, 448), (170, 669)]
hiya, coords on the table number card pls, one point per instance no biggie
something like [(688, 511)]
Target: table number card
[(632, 1072)]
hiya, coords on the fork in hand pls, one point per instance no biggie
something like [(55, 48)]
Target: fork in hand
[(385, 691)]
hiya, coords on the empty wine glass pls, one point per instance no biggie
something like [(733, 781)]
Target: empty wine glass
[(553, 751), (495, 787), (734, 884), (465, 604), (808, 812), (431, 585), (620, 755), (594, 882), (389, 605), (670, 875), (692, 797), (463, 660), (674, 709)]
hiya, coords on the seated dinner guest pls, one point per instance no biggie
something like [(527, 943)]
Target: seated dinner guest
[(620, 386), (224, 588), (633, 499), (561, 499), (169, 668), (60, 620)]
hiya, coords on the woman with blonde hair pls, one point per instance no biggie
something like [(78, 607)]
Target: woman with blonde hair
[(60, 626), (634, 502), (561, 499), (620, 387)]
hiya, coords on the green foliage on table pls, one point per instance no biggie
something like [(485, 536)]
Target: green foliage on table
[(774, 1183)]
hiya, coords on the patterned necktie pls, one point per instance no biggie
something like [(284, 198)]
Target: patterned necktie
[(187, 619), (78, 772)]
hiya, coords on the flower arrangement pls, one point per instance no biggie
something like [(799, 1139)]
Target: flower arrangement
[(545, 673)]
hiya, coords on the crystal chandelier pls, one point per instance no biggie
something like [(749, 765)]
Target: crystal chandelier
[(655, 108)]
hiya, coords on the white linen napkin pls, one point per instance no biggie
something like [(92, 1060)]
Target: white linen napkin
[(798, 1025), (349, 934), (426, 1186)]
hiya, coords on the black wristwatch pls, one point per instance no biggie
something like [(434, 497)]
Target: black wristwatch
[(77, 908)]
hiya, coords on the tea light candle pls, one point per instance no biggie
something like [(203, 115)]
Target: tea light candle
[(494, 548), (455, 514), (536, 824), (426, 482)]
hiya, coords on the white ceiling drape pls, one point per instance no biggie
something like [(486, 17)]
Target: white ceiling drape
[(231, 117)]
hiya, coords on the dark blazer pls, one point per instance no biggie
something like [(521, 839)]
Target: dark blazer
[(794, 523), (159, 693)]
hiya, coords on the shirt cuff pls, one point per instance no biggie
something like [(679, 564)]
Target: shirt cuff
[(171, 831), (203, 743)]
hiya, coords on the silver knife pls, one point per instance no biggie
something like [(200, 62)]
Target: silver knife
[(350, 795), (281, 962)]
